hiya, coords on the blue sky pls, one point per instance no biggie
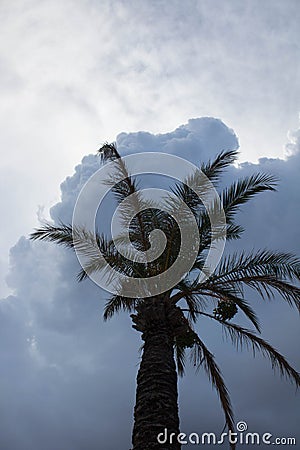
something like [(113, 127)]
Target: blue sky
[(73, 75)]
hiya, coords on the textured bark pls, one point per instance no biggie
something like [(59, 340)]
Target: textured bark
[(156, 406)]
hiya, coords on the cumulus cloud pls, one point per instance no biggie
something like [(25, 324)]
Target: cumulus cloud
[(74, 73), (68, 379), (293, 146)]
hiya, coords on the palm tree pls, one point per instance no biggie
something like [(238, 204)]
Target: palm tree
[(167, 321)]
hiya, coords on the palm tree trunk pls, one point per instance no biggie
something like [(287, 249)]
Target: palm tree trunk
[(156, 409)]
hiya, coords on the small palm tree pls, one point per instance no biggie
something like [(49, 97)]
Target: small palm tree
[(167, 327)]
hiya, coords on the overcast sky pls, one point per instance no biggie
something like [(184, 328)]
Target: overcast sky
[(74, 74)]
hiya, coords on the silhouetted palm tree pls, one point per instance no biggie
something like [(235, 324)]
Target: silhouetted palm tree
[(167, 328)]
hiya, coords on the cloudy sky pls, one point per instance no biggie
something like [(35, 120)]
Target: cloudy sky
[(74, 74)]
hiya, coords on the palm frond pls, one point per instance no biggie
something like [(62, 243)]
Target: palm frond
[(108, 152), (197, 185), (241, 336), (193, 300), (233, 231), (229, 295), (125, 187), (109, 259), (62, 234), (118, 303), (180, 355), (265, 271), (85, 241), (241, 191), (190, 192), (288, 291), (99, 253), (199, 293), (207, 238), (213, 169), (232, 198), (200, 355), (261, 262)]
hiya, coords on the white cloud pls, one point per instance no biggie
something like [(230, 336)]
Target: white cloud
[(293, 146), (68, 379), (74, 74)]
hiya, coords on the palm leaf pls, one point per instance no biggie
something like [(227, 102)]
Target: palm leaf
[(200, 292), (180, 357), (118, 303), (213, 169), (228, 295), (264, 271), (241, 191), (125, 187), (196, 185), (108, 152), (200, 355), (62, 234), (241, 336)]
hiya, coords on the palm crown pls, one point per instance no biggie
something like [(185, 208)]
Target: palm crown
[(267, 272)]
